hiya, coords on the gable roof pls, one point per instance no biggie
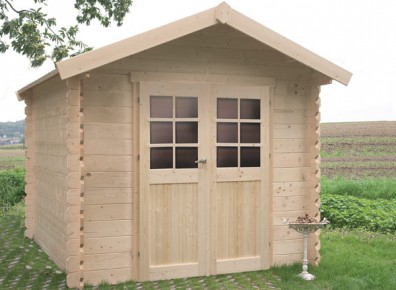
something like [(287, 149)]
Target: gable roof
[(222, 13)]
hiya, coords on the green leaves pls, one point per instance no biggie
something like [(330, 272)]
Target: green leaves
[(352, 212), (34, 34), (103, 10), (12, 186)]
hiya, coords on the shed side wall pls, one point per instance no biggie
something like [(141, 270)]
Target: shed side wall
[(50, 172), (108, 167), (295, 166)]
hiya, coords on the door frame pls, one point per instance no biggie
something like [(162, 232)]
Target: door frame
[(209, 268)]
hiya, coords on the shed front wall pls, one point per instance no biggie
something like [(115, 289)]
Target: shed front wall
[(223, 55)]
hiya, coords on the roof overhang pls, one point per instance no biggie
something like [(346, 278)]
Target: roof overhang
[(224, 14), (22, 93)]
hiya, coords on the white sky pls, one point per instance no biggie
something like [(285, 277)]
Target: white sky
[(358, 35)]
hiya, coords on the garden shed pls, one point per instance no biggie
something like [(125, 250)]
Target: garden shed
[(176, 152)]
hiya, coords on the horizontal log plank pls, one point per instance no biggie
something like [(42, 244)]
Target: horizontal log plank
[(114, 228), (108, 212), (107, 195), (107, 245)]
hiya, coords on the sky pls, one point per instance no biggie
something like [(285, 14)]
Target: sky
[(358, 35)]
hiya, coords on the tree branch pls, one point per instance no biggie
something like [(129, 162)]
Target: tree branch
[(12, 7)]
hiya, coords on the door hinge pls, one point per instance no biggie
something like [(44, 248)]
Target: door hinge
[(138, 157)]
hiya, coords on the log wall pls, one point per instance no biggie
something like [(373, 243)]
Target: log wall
[(108, 177), (51, 168), (294, 116)]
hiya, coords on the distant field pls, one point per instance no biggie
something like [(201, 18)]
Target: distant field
[(358, 150), (12, 156)]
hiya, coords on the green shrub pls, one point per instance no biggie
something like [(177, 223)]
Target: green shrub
[(384, 188), (350, 212), (12, 186)]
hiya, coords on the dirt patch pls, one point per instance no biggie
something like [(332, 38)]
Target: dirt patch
[(358, 129), (358, 150)]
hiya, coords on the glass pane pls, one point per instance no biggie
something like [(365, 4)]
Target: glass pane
[(250, 133), (227, 156), (227, 132), (161, 107), (161, 158), (227, 108), (250, 109), (250, 156), (161, 132), (186, 132), (186, 107), (186, 157)]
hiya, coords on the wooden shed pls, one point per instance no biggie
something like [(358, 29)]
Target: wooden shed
[(176, 152)]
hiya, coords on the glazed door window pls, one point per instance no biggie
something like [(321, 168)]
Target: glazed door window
[(173, 132), (238, 139)]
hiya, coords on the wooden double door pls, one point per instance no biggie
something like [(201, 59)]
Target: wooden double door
[(204, 179)]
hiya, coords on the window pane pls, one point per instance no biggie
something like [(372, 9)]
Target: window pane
[(186, 107), (250, 156), (161, 158), (227, 132), (186, 132), (250, 109), (161, 132), (250, 133), (227, 156), (227, 108), (186, 157), (161, 107)]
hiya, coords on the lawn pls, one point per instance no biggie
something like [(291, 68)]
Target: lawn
[(350, 260)]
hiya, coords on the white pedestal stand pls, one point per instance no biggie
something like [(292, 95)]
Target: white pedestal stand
[(306, 229)]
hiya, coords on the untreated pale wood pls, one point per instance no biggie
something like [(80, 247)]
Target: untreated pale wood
[(107, 212), (110, 195), (107, 261), (114, 228), (107, 245)]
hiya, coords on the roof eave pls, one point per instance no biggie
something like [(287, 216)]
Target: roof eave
[(282, 44), (24, 92), (113, 52)]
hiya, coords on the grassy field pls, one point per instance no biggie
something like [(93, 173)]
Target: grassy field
[(12, 156)]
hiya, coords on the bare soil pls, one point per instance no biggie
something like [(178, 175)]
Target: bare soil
[(386, 128), (359, 150)]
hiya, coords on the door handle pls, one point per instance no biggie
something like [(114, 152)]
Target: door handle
[(203, 160)]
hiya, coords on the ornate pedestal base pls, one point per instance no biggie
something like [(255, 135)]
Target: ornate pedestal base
[(306, 229)]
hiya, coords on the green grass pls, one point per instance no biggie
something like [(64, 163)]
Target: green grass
[(7, 162), (350, 260), (11, 157), (13, 147), (23, 263), (370, 188)]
